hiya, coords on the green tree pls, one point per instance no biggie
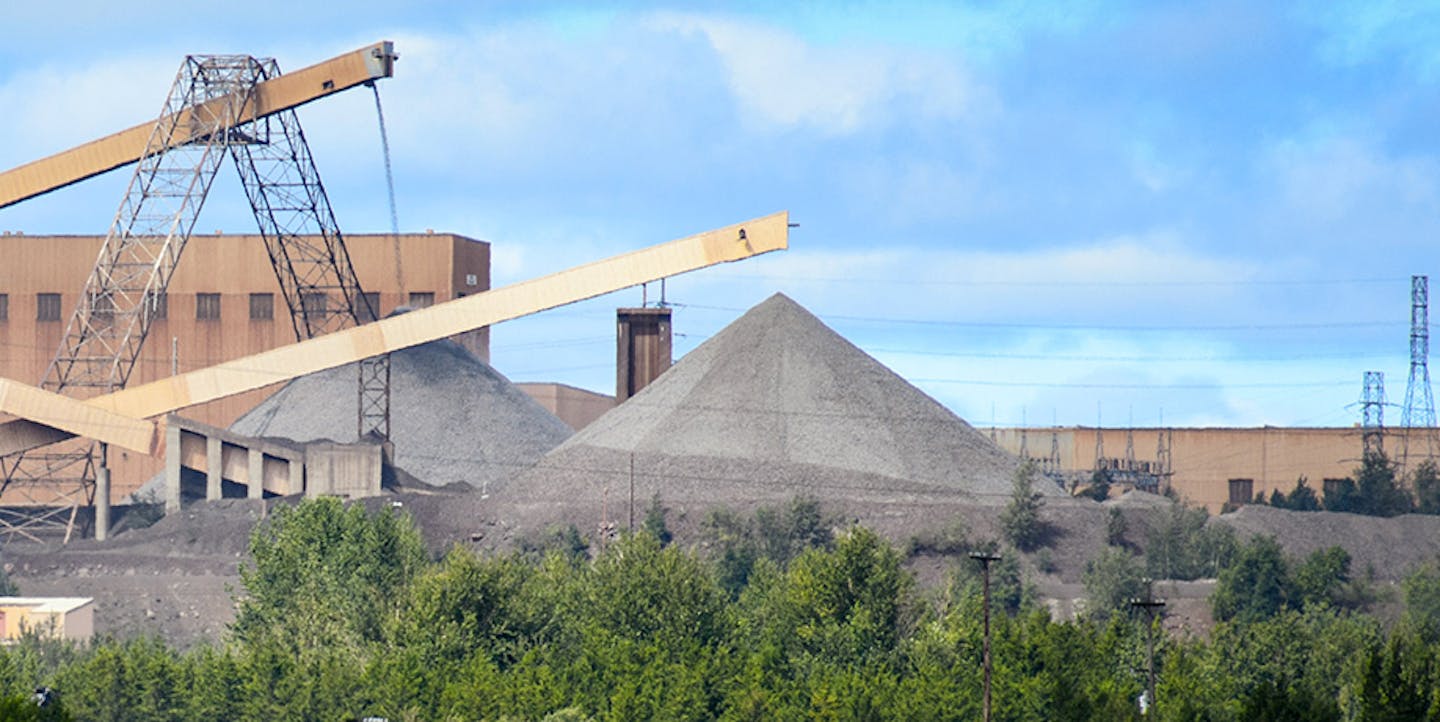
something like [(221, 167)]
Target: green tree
[(1422, 603), (800, 525), (1399, 682), (23, 708), (1181, 544), (1302, 497), (1322, 577), (135, 679), (654, 522), (7, 585), (1099, 488), (563, 538), (1111, 580), (1378, 491), (776, 534), (1278, 500), (1020, 522), (325, 577), (843, 606), (1426, 482), (1256, 586), (1341, 495)]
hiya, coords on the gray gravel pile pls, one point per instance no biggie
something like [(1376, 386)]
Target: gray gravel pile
[(452, 417), (1390, 547), (774, 405)]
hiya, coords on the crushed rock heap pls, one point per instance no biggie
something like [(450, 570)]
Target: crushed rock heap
[(776, 404), (452, 417)]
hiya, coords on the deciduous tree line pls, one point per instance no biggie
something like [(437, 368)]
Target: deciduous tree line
[(343, 616)]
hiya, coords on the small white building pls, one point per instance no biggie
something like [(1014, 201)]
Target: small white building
[(59, 617)]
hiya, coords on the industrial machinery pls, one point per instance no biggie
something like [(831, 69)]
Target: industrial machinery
[(219, 105), (242, 107), (46, 419)]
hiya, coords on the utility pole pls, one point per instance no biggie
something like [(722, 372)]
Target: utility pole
[(985, 558), (1152, 606)]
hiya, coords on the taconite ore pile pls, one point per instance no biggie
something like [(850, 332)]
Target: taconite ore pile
[(452, 417), (776, 404)]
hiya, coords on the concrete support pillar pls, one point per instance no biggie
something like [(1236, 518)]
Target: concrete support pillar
[(257, 474), (102, 503), (213, 470), (172, 468), (297, 476)]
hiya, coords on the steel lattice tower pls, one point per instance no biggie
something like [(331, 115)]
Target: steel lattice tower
[(1372, 403), (1419, 411), (211, 104)]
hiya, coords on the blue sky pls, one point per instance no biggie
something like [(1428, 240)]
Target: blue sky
[(1034, 211)]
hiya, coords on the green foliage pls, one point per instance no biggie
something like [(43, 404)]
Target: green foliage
[(1301, 498), (1426, 482), (24, 708), (1321, 577), (7, 585), (1377, 490), (1422, 603), (777, 535), (1374, 490), (1020, 522), (1262, 582), (1111, 581), (648, 632), (1341, 495), (954, 538), (1099, 488), (800, 526), (1010, 593), (323, 576), (654, 523), (831, 609), (1181, 545), (1400, 681), (564, 539), (1256, 586)]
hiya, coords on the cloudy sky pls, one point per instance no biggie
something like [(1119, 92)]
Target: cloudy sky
[(1035, 212)]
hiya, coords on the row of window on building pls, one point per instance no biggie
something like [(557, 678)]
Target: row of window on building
[(207, 305)]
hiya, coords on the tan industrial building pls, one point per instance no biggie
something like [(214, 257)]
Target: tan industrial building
[(223, 303), (56, 617), (1212, 467)]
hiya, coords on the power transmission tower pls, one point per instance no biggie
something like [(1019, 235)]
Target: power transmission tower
[(1372, 403), (1419, 411)]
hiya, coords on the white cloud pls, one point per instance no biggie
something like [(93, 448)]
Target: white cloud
[(1356, 32), (783, 82), (1329, 177), (51, 108)]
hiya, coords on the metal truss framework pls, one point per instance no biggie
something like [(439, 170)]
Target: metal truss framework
[(208, 102), (1419, 409), (1372, 405)]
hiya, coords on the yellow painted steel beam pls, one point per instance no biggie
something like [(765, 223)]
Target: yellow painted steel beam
[(731, 243), (77, 417), (287, 91)]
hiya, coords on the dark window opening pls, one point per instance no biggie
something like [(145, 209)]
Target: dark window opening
[(370, 308), (207, 306), (262, 307), (47, 307), (1242, 491), (315, 305)]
